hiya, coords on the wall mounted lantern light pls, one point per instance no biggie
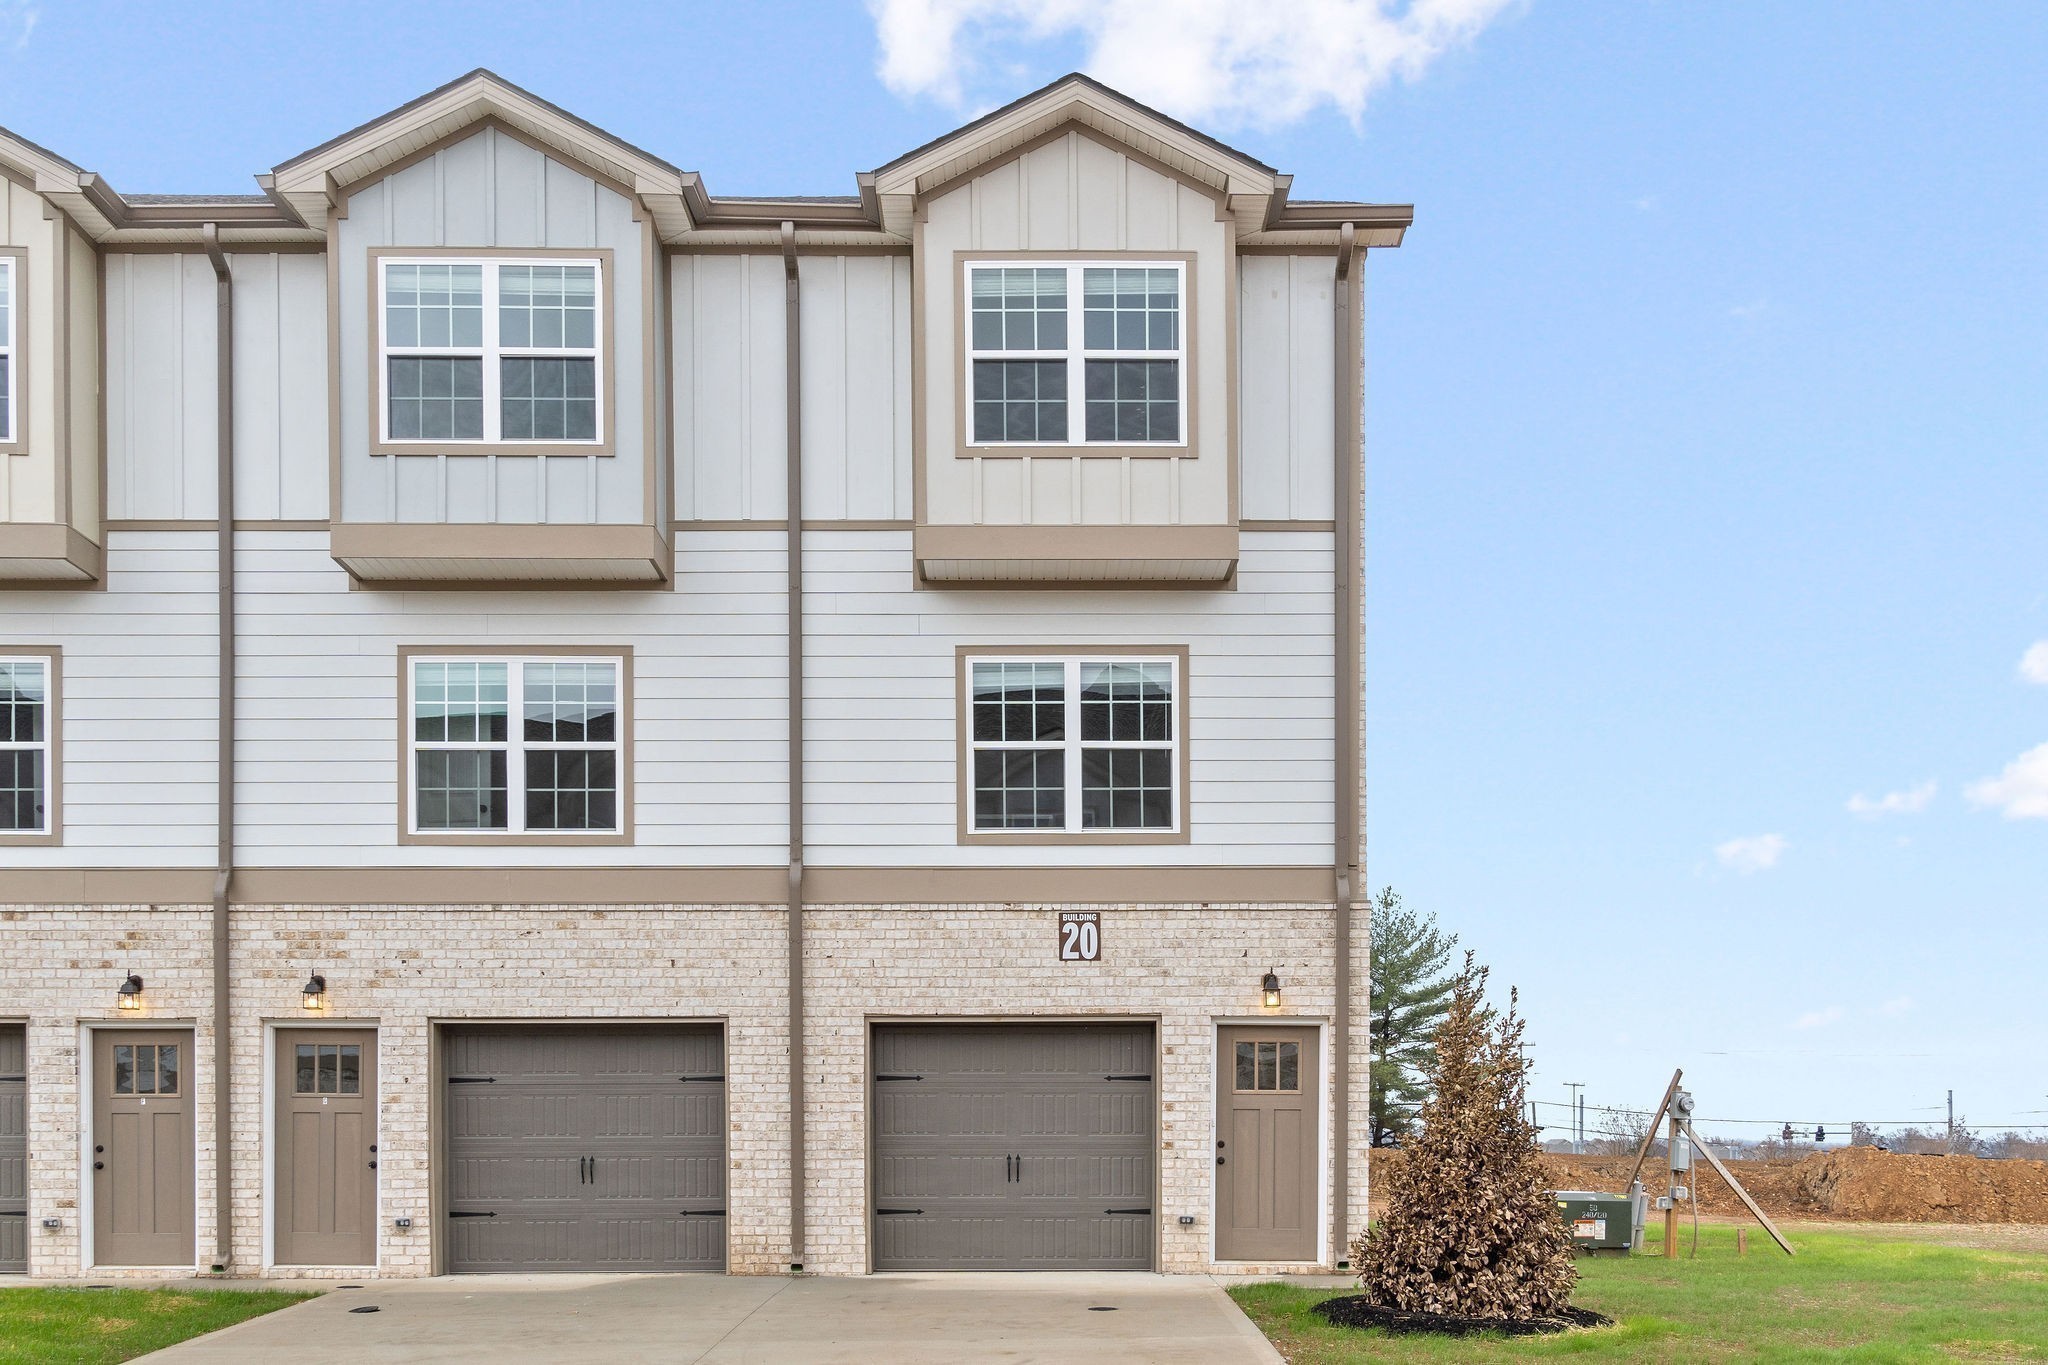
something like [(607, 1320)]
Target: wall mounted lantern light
[(314, 994), (129, 997), (1271, 987)]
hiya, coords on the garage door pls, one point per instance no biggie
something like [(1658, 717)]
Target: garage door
[(599, 1148), (1013, 1147), (13, 1150)]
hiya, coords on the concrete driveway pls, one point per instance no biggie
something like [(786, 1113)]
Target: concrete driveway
[(896, 1319)]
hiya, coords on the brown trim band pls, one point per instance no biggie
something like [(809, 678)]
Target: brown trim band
[(766, 886)]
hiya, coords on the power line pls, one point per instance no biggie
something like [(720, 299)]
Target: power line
[(1979, 1124)]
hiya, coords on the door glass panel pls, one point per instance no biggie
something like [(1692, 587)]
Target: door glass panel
[(124, 1070), (145, 1071), (1246, 1079), (167, 1069), (302, 1081), (1290, 1066), (1267, 1052), (351, 1069), (328, 1059)]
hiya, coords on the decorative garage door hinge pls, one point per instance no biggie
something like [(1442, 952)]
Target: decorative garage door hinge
[(719, 1077), (472, 1080), (895, 1076)]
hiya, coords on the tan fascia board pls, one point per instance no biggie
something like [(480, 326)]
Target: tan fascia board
[(46, 554), (500, 553), (1072, 100), (1109, 556)]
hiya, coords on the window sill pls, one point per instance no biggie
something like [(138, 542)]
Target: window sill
[(603, 449), (525, 840), (1054, 451), (1121, 838)]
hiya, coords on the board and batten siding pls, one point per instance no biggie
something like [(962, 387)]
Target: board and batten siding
[(317, 704), (1287, 405), (729, 377), (1077, 193), (491, 190), (139, 707), (880, 703), (29, 480), (280, 386)]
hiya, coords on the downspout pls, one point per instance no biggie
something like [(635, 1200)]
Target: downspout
[(224, 763), (1350, 464), (792, 360)]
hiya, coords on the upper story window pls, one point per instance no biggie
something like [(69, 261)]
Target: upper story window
[(8, 312), (1075, 745), (27, 730), (1076, 354), (507, 746), (497, 352)]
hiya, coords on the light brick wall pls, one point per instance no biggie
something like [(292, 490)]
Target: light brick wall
[(401, 968), (1189, 967)]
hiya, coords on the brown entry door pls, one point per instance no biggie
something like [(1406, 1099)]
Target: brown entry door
[(326, 1147), (1266, 1138), (142, 1147), (13, 1150)]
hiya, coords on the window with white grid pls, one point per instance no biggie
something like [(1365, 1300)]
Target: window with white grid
[(8, 312), (511, 746), (1076, 354), (1074, 745), (491, 352), (25, 734)]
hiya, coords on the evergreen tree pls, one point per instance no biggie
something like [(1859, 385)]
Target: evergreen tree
[(1471, 1229), (1411, 986)]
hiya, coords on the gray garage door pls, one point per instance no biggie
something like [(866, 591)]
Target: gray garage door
[(598, 1148), (1013, 1147), (13, 1150)]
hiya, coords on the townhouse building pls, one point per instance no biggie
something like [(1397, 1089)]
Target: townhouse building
[(552, 720)]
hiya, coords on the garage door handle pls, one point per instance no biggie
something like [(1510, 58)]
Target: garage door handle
[(888, 1211), (472, 1215), (1127, 1210)]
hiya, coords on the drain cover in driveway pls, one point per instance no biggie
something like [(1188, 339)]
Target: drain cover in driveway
[(366, 1308)]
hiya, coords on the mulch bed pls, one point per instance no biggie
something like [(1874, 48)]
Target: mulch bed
[(1355, 1310)]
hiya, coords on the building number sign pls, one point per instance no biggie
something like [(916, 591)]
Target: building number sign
[(1080, 936)]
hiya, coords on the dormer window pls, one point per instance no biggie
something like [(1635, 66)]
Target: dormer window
[(8, 314), (1080, 353), (503, 353)]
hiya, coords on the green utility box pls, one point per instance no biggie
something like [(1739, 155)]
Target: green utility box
[(1597, 1222)]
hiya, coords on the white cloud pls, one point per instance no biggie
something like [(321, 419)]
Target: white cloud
[(1225, 61), (1755, 853), (2034, 663), (1819, 1018), (1896, 1006), (17, 21), (1911, 801), (2021, 791)]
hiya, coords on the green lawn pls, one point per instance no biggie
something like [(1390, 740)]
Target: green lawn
[(1847, 1297), (90, 1326)]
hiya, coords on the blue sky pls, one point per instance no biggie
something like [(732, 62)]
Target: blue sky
[(1706, 421)]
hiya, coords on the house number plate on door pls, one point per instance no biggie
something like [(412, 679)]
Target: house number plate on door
[(1080, 936)]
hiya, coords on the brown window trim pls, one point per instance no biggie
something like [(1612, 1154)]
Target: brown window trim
[(52, 834), (1187, 448), (963, 721), (607, 351), (623, 837)]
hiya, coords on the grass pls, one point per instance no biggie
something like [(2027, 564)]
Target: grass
[(91, 1326), (1846, 1297)]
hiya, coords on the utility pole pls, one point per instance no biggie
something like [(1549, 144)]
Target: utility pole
[(1578, 1118), (1951, 1120)]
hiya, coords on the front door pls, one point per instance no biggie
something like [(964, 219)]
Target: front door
[(1266, 1139), (142, 1147), (13, 1150), (326, 1147)]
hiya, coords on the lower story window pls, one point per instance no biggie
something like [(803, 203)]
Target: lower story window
[(1074, 745), (516, 745)]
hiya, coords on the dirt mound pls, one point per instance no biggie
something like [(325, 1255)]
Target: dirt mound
[(1859, 1184)]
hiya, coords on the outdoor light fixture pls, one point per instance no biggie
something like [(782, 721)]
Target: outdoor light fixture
[(1271, 986), (130, 994), (314, 994)]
